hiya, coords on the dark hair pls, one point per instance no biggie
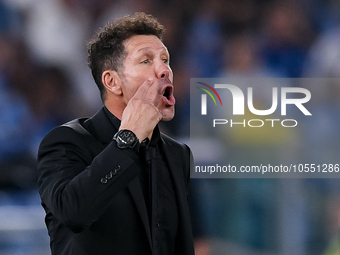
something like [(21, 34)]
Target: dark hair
[(106, 49)]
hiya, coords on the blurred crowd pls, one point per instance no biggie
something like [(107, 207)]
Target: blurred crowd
[(44, 79)]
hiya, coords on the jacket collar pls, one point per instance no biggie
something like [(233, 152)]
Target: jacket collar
[(100, 126)]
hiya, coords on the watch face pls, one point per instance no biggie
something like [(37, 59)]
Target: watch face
[(126, 138)]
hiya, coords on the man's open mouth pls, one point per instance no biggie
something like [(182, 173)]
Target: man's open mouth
[(168, 94)]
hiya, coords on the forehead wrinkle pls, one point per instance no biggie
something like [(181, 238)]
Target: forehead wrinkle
[(135, 48), (151, 49)]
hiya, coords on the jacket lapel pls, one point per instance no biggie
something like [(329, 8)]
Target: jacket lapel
[(137, 195), (174, 164)]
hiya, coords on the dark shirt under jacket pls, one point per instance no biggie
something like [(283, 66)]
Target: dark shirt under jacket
[(158, 191)]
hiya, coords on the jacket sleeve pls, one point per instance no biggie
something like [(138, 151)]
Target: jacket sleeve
[(75, 187)]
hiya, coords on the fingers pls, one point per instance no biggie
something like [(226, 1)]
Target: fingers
[(143, 89), (148, 91)]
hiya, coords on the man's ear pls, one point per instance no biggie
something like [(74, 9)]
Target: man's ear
[(112, 82)]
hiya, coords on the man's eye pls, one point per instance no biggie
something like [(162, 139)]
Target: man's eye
[(165, 60), (145, 61)]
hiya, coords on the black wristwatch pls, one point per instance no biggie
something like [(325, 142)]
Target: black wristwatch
[(126, 139)]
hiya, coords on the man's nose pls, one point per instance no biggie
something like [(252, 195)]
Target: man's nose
[(163, 71)]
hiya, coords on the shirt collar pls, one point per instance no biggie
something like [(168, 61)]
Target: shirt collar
[(113, 119)]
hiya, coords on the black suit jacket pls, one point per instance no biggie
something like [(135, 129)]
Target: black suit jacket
[(92, 196)]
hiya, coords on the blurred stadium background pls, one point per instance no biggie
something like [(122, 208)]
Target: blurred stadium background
[(44, 82)]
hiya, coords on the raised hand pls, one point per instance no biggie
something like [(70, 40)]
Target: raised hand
[(141, 114)]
